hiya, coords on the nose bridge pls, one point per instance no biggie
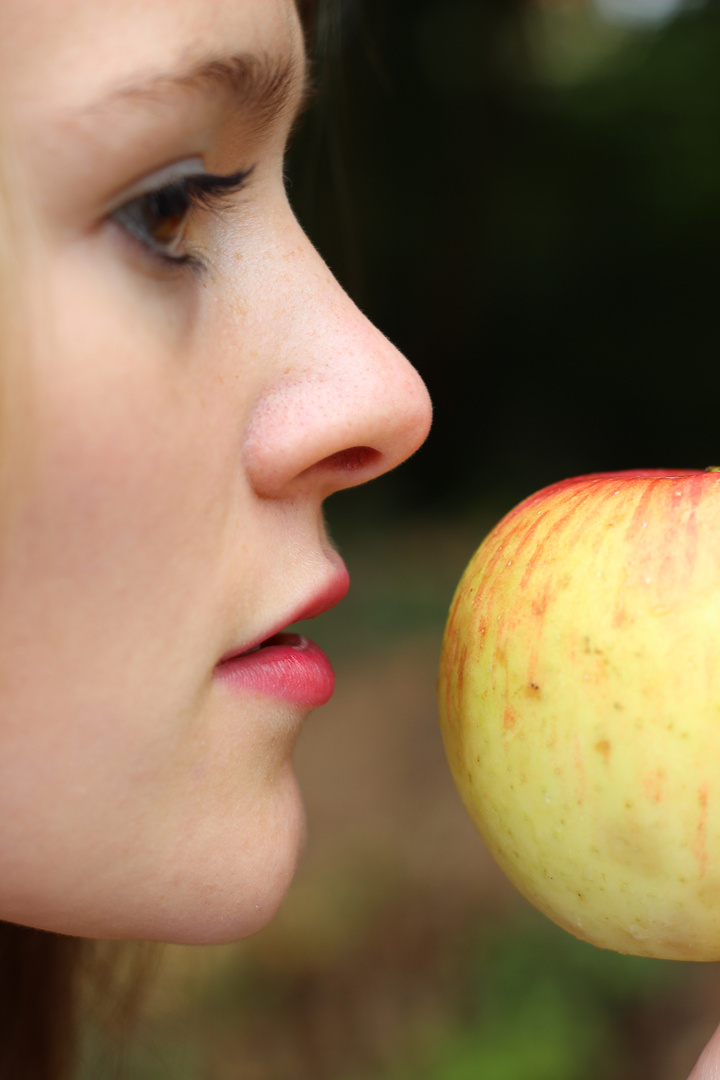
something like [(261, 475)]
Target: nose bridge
[(341, 386)]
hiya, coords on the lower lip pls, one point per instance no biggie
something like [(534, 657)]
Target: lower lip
[(288, 667)]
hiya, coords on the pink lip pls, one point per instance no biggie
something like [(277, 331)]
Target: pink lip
[(290, 667), (328, 598)]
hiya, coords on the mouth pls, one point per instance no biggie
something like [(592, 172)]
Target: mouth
[(287, 666)]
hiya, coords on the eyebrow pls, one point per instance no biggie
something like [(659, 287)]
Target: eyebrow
[(263, 84)]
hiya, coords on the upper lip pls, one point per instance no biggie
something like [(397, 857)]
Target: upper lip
[(331, 594)]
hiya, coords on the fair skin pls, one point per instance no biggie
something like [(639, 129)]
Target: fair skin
[(185, 422), (708, 1067)]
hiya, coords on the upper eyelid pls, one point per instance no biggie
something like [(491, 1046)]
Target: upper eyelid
[(180, 170), (203, 188), (207, 187)]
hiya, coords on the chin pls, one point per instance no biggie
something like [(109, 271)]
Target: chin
[(212, 878), (235, 889)]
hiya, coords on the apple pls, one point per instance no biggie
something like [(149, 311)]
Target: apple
[(579, 701)]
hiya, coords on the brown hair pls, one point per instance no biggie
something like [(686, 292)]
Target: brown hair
[(308, 12), (38, 1003)]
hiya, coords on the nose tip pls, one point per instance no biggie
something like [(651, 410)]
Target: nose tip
[(340, 423), (340, 405), (404, 399)]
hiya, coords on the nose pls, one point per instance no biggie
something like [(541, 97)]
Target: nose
[(344, 405)]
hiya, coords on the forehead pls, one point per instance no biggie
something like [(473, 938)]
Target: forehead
[(68, 54)]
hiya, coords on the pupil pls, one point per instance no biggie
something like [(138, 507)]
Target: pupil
[(165, 215)]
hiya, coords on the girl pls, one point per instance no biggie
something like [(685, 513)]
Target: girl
[(184, 383)]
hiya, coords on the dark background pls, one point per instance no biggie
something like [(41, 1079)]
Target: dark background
[(526, 198)]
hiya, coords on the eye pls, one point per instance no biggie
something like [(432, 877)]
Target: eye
[(157, 216)]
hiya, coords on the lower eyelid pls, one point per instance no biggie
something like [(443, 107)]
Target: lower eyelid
[(150, 262)]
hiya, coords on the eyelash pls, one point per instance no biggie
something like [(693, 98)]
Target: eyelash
[(172, 204)]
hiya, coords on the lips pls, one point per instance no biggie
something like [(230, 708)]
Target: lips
[(288, 667), (285, 666)]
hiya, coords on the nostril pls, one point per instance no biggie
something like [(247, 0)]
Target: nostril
[(351, 460)]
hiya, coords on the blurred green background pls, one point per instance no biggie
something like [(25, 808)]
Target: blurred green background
[(525, 196)]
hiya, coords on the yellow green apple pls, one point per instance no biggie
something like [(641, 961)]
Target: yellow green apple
[(579, 698)]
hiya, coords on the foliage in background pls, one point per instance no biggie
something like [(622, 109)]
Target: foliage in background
[(546, 1007), (531, 1004)]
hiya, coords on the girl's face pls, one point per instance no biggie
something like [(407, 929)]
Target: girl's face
[(198, 384)]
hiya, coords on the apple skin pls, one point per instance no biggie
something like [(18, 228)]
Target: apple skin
[(579, 698)]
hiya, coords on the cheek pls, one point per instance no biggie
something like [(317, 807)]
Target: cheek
[(133, 471), (117, 521), (106, 603), (130, 488)]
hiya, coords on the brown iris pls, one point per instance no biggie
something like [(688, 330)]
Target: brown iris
[(164, 214)]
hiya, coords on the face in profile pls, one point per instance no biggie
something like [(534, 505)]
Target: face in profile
[(195, 384)]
